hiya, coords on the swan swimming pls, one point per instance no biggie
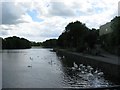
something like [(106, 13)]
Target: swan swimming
[(75, 65), (100, 73), (31, 58)]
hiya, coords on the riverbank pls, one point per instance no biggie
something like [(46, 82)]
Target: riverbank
[(109, 64)]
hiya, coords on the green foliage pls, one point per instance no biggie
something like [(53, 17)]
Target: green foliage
[(15, 43), (92, 37), (36, 43), (1, 42), (77, 35), (49, 43)]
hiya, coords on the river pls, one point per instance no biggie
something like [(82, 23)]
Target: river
[(43, 68)]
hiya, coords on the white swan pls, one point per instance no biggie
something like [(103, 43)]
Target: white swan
[(90, 76), (96, 72), (100, 73), (75, 65), (63, 57), (80, 65), (88, 67)]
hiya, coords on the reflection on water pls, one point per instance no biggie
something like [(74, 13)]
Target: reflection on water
[(42, 68)]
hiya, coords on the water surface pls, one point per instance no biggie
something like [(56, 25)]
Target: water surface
[(42, 68)]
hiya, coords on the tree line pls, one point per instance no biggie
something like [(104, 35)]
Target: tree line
[(36, 43), (51, 43), (78, 37), (15, 43)]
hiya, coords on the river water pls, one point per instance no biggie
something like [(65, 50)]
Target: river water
[(43, 68)]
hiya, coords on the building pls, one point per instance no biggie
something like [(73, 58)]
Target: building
[(105, 29)]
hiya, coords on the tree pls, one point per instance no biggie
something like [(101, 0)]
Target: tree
[(1, 39), (50, 43), (62, 40), (15, 43), (73, 36), (36, 43), (92, 37)]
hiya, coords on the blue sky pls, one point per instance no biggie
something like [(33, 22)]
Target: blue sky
[(34, 15), (45, 19)]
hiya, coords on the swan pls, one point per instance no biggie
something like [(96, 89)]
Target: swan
[(100, 73), (82, 72), (75, 65), (73, 68), (88, 67), (91, 68), (31, 58), (80, 65), (79, 69), (63, 57), (96, 72), (59, 57), (90, 76), (82, 68)]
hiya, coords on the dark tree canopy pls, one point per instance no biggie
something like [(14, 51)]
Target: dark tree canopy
[(36, 43), (77, 35), (15, 43), (91, 37), (1, 42), (49, 43)]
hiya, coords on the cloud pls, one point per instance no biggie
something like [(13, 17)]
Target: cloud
[(3, 33), (12, 13), (119, 8), (45, 19), (60, 9)]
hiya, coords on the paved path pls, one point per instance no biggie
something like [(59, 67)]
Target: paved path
[(104, 57), (112, 59)]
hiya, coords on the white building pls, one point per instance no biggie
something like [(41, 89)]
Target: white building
[(105, 29)]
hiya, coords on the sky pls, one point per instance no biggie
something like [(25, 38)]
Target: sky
[(39, 20)]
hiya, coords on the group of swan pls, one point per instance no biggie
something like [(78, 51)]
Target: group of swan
[(61, 57), (93, 77), (87, 70)]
